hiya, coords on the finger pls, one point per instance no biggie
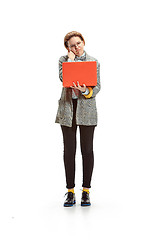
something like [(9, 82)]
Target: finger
[(74, 84), (78, 84)]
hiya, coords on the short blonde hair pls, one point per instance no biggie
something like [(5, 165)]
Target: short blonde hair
[(70, 35)]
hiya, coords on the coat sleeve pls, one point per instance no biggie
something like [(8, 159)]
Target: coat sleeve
[(61, 60), (97, 88)]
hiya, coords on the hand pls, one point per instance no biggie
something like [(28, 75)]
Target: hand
[(71, 55), (82, 89)]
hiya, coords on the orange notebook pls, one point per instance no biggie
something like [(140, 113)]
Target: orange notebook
[(83, 72)]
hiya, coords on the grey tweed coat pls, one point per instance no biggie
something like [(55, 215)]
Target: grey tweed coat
[(86, 113)]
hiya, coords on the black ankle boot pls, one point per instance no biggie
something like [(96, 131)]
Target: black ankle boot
[(70, 200), (85, 200)]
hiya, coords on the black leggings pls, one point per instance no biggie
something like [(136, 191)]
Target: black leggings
[(86, 142)]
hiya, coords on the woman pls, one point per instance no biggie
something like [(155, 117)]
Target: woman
[(77, 107)]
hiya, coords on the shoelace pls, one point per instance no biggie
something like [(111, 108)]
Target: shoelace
[(69, 193), (83, 190), (85, 195)]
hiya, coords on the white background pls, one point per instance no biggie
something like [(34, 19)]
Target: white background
[(124, 36)]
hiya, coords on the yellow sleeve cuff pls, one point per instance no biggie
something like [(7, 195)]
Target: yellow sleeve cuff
[(89, 95)]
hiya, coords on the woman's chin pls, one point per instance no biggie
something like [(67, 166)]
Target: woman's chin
[(79, 53)]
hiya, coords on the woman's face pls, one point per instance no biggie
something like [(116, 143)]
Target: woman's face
[(76, 45)]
